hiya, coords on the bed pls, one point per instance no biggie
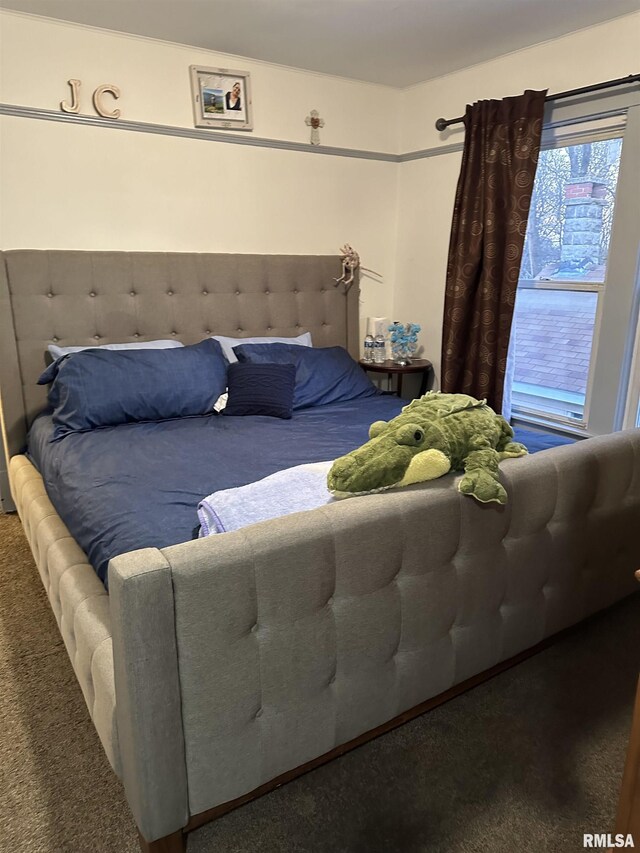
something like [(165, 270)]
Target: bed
[(217, 668)]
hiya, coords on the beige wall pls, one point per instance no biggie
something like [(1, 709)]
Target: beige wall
[(427, 187), (39, 55), (71, 186)]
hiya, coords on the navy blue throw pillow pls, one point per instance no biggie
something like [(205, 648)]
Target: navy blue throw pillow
[(260, 389), (323, 374), (96, 388)]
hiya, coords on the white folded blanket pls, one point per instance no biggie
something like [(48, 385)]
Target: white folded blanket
[(292, 490)]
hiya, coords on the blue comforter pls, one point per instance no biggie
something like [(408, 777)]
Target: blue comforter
[(138, 485)]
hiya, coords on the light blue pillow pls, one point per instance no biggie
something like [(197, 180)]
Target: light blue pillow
[(57, 352), (323, 374), (100, 387), (227, 344)]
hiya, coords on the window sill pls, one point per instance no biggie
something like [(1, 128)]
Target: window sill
[(547, 425)]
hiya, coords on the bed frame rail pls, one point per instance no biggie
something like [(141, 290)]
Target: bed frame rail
[(289, 640)]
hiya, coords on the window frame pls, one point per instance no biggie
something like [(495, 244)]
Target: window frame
[(632, 408)]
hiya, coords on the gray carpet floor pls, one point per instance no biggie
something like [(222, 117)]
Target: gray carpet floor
[(525, 762)]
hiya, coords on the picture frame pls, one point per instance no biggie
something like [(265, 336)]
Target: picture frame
[(221, 98)]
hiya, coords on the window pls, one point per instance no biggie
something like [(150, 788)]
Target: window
[(562, 280), (554, 336)]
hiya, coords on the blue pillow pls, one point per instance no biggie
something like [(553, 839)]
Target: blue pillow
[(323, 374), (96, 388), (260, 389)]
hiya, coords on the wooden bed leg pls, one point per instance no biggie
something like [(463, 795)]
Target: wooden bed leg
[(174, 843), (628, 820)]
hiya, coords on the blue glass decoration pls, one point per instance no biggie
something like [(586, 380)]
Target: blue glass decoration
[(404, 341)]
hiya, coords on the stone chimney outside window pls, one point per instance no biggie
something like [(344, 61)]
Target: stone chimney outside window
[(584, 199)]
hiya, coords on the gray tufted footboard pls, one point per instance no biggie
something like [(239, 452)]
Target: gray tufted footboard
[(242, 656)]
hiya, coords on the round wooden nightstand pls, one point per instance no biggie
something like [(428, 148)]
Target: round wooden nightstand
[(417, 365)]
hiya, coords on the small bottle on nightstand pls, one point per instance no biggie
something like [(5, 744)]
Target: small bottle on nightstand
[(368, 349), (379, 349)]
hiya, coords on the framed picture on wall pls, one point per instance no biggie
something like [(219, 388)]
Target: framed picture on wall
[(221, 98)]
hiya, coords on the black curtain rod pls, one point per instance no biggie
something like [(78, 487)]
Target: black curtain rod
[(443, 123)]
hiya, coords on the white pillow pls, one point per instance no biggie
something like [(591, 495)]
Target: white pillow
[(227, 344), (58, 352)]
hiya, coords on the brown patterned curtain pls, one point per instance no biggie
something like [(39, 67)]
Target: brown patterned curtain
[(487, 237)]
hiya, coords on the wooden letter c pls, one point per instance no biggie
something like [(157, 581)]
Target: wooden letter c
[(97, 100)]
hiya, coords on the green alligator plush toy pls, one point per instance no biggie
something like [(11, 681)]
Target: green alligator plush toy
[(433, 435)]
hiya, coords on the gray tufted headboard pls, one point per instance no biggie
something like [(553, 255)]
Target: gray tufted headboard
[(84, 298)]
